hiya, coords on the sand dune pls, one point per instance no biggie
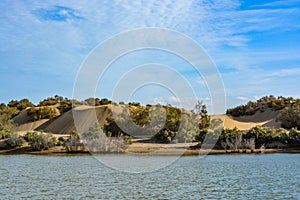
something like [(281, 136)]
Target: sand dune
[(65, 124), (267, 118)]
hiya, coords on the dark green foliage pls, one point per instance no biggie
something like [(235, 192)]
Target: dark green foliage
[(104, 101), (134, 104), (201, 111), (44, 112), (111, 128), (260, 105), (140, 115), (50, 101), (261, 134), (6, 126), (9, 112), (20, 105), (290, 117), (257, 137), (40, 141), (65, 105), (171, 127), (128, 139)]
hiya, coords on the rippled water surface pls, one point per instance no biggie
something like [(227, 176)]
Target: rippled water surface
[(268, 176)]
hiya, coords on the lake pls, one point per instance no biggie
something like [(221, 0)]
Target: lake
[(241, 176)]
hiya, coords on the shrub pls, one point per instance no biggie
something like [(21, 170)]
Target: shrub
[(14, 140), (128, 139), (44, 112), (20, 105), (50, 101), (6, 126), (290, 117), (40, 141), (65, 105)]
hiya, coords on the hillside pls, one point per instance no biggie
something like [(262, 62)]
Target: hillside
[(263, 112), (246, 122), (64, 123)]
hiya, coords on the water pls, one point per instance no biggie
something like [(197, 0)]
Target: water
[(267, 176)]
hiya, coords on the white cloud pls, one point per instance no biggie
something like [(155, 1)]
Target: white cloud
[(242, 98)]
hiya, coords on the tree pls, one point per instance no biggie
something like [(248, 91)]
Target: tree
[(65, 105), (20, 105), (40, 141), (290, 117), (104, 101), (73, 143), (50, 101), (204, 121), (9, 112), (96, 141), (6, 126), (44, 112)]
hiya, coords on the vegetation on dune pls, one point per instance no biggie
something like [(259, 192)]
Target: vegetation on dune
[(178, 125), (261, 105), (14, 107), (290, 116), (44, 112), (97, 102)]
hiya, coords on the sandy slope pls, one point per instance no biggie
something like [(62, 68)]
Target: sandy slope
[(65, 123), (247, 122)]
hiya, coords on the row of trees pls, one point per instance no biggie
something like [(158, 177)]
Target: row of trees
[(178, 125), (256, 138)]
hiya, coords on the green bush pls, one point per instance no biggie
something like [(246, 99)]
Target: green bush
[(20, 105), (40, 141), (44, 112), (6, 126), (128, 139), (50, 101), (290, 117)]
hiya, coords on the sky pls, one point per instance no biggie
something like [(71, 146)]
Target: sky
[(254, 44)]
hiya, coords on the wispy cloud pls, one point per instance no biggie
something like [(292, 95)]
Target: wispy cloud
[(58, 13), (51, 39), (280, 3)]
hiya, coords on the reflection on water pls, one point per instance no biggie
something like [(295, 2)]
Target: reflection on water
[(83, 177)]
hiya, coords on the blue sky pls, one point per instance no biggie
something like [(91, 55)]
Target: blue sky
[(254, 44)]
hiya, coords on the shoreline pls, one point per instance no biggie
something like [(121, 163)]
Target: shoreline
[(148, 149)]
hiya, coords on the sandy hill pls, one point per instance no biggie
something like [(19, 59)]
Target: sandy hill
[(266, 118), (64, 123)]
